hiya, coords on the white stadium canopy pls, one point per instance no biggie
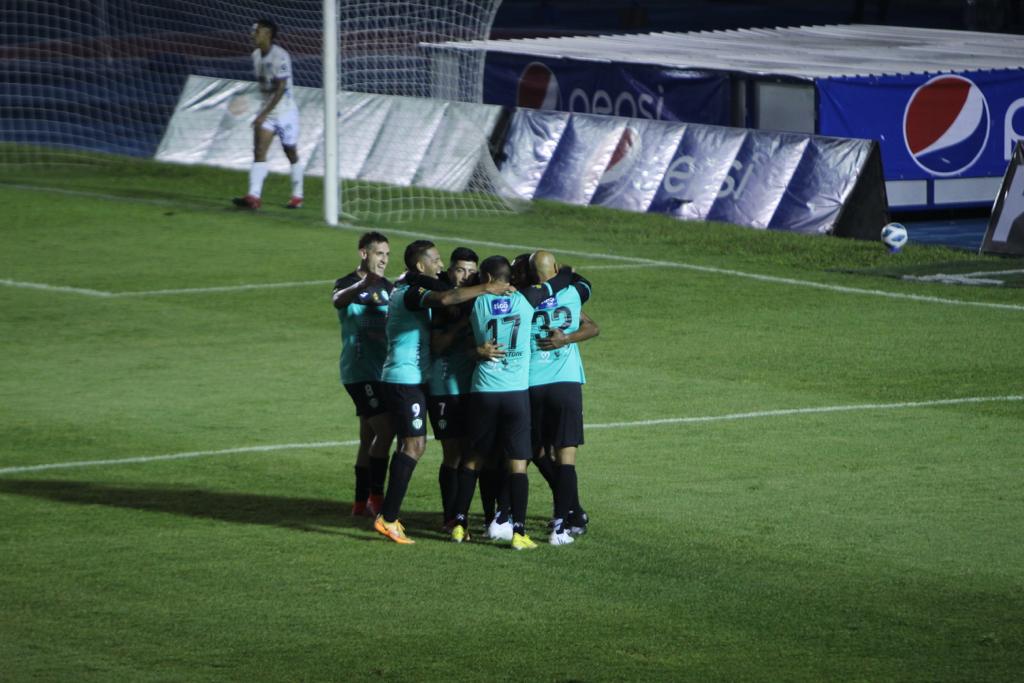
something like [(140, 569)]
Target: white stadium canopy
[(804, 52)]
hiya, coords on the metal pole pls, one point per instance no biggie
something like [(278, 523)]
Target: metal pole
[(330, 88)]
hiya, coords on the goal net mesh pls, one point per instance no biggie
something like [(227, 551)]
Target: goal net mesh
[(82, 79)]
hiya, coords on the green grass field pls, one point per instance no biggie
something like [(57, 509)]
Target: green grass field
[(795, 472)]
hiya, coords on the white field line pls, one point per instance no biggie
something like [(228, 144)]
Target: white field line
[(226, 288), (177, 456), (619, 266), (982, 273), (55, 288), (703, 269), (805, 411), (606, 425), (518, 248), (163, 292)]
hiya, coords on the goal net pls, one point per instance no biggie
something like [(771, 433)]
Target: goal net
[(396, 49), (81, 80)]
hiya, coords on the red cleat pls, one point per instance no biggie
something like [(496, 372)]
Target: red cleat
[(359, 509), (247, 202), (294, 203), (374, 505)]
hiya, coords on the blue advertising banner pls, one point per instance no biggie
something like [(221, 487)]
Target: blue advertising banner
[(930, 125), (579, 161), (1005, 233), (761, 179), (640, 91), (639, 163), (700, 168)]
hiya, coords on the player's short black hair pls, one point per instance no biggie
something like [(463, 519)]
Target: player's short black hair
[(269, 23), (415, 251), (464, 254), (497, 268), (369, 238), (521, 270)]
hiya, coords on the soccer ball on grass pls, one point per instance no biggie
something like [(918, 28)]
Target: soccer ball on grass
[(894, 236)]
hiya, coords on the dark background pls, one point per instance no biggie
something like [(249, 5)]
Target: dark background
[(519, 18)]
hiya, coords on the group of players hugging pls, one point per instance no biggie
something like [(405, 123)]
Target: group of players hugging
[(488, 351)]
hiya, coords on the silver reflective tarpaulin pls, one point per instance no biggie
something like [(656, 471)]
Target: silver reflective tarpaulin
[(396, 140)]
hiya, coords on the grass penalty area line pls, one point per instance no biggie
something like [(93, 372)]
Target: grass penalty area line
[(162, 292), (711, 270), (762, 414)]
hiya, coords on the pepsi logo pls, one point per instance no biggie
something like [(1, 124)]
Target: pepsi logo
[(538, 88), (624, 157), (946, 125)]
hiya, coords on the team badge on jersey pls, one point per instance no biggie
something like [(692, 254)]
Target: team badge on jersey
[(501, 306), (548, 304)]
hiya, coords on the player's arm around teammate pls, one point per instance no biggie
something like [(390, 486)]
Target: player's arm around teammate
[(588, 330), (556, 396), (407, 365), (500, 420), (451, 371)]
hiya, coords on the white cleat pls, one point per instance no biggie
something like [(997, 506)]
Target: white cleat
[(499, 532), (560, 538)]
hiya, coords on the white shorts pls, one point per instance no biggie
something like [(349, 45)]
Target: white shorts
[(285, 125)]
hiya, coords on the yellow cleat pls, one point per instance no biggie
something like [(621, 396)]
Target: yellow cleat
[(522, 542), (393, 530), (459, 534)]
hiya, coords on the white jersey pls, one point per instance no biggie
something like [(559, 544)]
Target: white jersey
[(274, 66)]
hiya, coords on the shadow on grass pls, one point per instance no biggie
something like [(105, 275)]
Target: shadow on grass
[(301, 514)]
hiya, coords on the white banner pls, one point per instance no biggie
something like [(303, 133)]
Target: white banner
[(405, 141)]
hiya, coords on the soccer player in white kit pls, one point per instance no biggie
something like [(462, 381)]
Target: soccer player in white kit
[(278, 116)]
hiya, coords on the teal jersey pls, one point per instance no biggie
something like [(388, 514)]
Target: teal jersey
[(562, 311), (506, 320), (364, 343), (408, 330), (451, 371)]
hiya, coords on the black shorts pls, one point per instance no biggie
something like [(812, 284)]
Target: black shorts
[(408, 404), (556, 415), (368, 397), (449, 416), (500, 423)]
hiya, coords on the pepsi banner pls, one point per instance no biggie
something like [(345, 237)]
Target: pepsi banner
[(1005, 234), (930, 126), (640, 91), (778, 181)]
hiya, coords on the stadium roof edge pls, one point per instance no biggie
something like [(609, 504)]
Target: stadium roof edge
[(800, 52)]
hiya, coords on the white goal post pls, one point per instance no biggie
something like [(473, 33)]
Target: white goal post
[(332, 188)]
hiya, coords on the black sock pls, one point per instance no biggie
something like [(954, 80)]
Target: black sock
[(576, 510), (401, 471), (466, 487), (566, 491), (448, 480), (378, 474), (488, 494), (504, 499), (362, 483), (546, 467), (520, 490)]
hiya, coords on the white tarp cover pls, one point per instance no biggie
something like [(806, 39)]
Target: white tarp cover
[(396, 140)]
